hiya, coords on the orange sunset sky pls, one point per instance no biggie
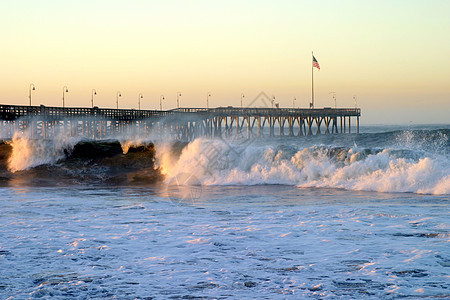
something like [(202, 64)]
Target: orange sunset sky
[(393, 55)]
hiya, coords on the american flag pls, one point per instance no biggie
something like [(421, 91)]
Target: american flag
[(315, 63)]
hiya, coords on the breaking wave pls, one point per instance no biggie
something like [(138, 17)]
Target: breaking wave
[(405, 166), (414, 161), (64, 160)]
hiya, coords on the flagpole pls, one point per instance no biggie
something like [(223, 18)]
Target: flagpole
[(312, 79)]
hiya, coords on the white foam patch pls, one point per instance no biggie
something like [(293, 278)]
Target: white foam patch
[(349, 168)]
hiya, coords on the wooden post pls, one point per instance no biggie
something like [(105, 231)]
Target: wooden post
[(349, 124), (357, 124), (259, 126), (345, 120)]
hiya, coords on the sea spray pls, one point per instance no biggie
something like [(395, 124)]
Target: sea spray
[(72, 161), (28, 153), (126, 144), (195, 157), (436, 141)]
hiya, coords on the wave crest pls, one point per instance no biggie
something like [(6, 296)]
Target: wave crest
[(381, 170)]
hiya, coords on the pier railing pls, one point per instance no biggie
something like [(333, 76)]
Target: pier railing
[(12, 112)]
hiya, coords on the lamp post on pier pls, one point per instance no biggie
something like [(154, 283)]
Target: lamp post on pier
[(242, 97), (65, 90), (161, 98), (32, 88), (94, 92), (207, 99), (293, 102), (178, 99), (139, 100), (273, 100), (354, 100), (117, 99)]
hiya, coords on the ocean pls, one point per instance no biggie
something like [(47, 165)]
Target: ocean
[(324, 217)]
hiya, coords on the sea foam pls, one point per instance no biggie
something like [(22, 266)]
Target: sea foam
[(381, 170)]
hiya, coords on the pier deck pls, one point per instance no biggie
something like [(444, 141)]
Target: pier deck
[(181, 123)]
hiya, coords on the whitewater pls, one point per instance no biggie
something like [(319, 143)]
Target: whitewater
[(329, 216), (415, 161), (288, 162)]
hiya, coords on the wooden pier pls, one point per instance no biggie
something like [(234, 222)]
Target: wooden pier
[(186, 124)]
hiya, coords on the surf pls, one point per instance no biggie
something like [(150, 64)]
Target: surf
[(412, 161), (405, 161)]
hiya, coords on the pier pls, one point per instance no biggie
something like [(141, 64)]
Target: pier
[(41, 122)]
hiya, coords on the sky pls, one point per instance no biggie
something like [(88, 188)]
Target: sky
[(393, 56)]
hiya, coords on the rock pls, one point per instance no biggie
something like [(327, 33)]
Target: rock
[(250, 284)]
